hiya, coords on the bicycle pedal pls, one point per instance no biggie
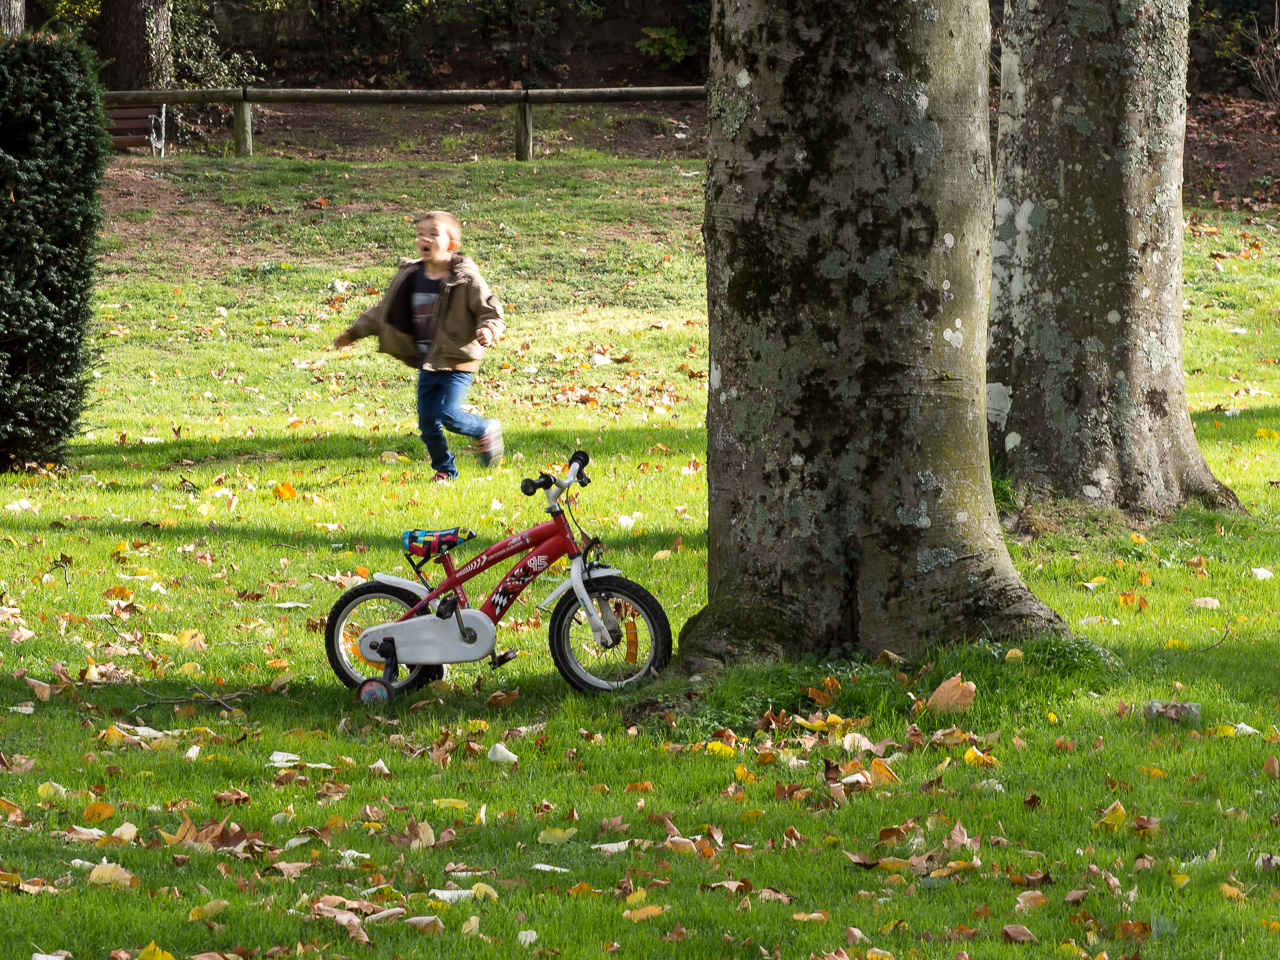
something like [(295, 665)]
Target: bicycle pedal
[(498, 659), (446, 608)]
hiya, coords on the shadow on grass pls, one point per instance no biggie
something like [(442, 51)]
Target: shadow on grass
[(599, 440)]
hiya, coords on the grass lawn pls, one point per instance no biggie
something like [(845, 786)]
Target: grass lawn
[(676, 818)]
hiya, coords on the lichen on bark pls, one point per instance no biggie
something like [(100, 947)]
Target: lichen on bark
[(1086, 394), (848, 255)]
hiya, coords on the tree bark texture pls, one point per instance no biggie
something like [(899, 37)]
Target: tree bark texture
[(13, 15), (848, 238), (135, 37), (1086, 396)]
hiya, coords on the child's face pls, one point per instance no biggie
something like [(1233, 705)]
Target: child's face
[(433, 241)]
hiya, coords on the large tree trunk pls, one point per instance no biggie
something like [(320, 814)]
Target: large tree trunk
[(13, 15), (135, 36), (848, 238), (1086, 396)]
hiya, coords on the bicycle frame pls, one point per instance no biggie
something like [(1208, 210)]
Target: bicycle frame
[(543, 544)]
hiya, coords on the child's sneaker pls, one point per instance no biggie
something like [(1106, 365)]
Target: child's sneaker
[(491, 448)]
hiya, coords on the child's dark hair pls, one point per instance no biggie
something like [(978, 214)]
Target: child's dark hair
[(451, 225)]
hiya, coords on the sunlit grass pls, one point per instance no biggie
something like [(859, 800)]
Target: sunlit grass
[(214, 385)]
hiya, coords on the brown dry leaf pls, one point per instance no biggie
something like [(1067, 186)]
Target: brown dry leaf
[(1133, 930), (677, 934), (501, 698), (233, 796), (953, 695), (818, 916), (291, 870), (427, 924), (1271, 768), (1017, 933)]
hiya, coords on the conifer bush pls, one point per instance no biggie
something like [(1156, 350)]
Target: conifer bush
[(53, 151)]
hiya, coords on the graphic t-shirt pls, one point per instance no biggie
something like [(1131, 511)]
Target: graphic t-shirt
[(422, 308)]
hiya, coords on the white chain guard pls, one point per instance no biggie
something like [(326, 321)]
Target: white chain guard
[(428, 639)]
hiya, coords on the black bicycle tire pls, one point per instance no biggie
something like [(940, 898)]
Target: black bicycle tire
[(633, 593), (419, 675)]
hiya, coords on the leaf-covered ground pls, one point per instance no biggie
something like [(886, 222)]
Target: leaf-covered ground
[(796, 809)]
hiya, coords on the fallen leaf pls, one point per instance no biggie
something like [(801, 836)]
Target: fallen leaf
[(953, 695), (641, 914), (1017, 933), (113, 875)]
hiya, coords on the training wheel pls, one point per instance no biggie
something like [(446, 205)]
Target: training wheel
[(375, 692)]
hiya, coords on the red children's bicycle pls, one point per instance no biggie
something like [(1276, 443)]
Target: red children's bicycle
[(394, 634)]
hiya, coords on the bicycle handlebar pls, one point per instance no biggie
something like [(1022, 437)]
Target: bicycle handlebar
[(577, 473)]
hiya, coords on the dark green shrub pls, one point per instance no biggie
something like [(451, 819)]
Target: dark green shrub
[(53, 151)]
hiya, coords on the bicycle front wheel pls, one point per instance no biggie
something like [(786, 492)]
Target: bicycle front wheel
[(642, 648)]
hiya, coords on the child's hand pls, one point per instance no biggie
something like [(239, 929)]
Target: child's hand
[(484, 336)]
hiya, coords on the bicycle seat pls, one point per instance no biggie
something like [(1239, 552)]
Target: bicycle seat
[(432, 543)]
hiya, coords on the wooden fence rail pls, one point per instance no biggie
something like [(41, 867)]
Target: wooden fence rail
[(243, 98)]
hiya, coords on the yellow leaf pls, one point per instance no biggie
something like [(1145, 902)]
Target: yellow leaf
[(483, 891), (554, 836), (152, 952), (720, 749), (1265, 434), (451, 803), (1180, 880), (284, 490), (1113, 817), (976, 758), (114, 875), (189, 670), (583, 889), (186, 833), (210, 909), (50, 790), (744, 775), (640, 914), (750, 816), (1013, 654), (1229, 892), (98, 811), (881, 774), (1137, 538), (636, 897)]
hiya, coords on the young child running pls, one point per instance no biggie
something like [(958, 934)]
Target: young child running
[(437, 316)]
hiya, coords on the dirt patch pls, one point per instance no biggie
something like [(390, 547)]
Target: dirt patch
[(1232, 153)]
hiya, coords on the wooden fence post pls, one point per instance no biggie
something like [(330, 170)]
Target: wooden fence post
[(524, 130), (243, 117)]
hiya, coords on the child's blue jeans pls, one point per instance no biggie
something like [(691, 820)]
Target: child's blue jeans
[(441, 394)]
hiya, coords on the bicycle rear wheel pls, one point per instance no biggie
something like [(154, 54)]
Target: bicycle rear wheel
[(356, 611)]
